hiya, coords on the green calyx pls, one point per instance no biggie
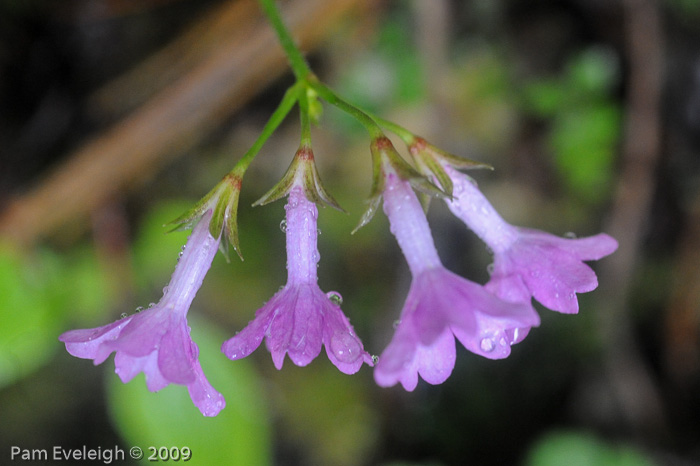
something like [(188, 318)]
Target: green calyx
[(302, 171), (431, 162), (385, 159), (223, 201)]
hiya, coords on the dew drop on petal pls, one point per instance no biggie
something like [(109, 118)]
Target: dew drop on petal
[(514, 336), (123, 315), (570, 235), (335, 297), (139, 309), (487, 345), (345, 347), (397, 323), (283, 225), (375, 359), (490, 268)]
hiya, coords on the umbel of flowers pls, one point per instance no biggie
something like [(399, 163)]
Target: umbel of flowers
[(300, 319)]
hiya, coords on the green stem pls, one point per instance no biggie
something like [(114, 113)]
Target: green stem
[(332, 98), (407, 136), (296, 59), (288, 101), (304, 117)]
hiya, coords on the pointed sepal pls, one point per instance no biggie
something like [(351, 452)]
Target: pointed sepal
[(301, 172), (223, 201), (386, 159), (431, 161)]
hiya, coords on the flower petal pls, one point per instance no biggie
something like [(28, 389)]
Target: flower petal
[(436, 361), (143, 334), (397, 361), (204, 396), (306, 335), (177, 353), (85, 343)]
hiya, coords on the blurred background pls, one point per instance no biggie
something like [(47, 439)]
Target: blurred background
[(117, 115)]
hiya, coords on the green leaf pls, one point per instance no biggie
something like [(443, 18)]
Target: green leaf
[(155, 250), (544, 98), (593, 73), (585, 142), (239, 435), (581, 449), (28, 322)]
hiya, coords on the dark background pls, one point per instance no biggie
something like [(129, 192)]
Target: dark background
[(113, 122)]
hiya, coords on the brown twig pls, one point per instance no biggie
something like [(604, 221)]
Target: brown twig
[(631, 380), (172, 121)]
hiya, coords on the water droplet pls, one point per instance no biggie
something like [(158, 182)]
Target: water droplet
[(123, 316), (570, 235), (139, 309), (345, 347), (375, 359), (335, 298), (318, 231), (514, 334), (283, 225), (165, 289), (280, 288), (489, 268), (487, 345), (151, 305), (397, 322)]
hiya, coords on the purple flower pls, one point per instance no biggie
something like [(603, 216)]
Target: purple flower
[(527, 262), (157, 341), (300, 317), (440, 305)]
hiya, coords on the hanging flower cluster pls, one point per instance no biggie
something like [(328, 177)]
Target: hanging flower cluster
[(300, 318)]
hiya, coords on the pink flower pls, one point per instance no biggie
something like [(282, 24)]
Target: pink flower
[(527, 262), (300, 318), (440, 305), (157, 341)]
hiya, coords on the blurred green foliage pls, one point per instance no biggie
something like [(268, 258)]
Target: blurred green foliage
[(582, 449), (39, 294), (389, 73), (585, 121)]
